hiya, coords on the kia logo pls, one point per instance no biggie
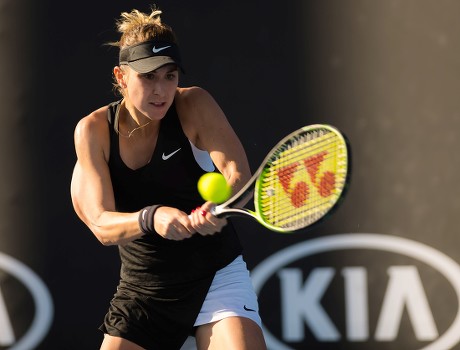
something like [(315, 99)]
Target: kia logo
[(43, 307), (300, 301)]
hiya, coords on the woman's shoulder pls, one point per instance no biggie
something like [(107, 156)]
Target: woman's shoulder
[(189, 91), (93, 124), (191, 95), (194, 102), (199, 113), (190, 105), (95, 119)]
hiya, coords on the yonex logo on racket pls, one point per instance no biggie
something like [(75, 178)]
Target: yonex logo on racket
[(300, 191)]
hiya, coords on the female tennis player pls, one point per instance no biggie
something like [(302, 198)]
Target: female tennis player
[(135, 185)]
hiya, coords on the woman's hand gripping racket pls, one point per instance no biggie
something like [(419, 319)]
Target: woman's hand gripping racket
[(299, 182)]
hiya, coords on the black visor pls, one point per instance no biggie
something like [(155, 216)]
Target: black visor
[(150, 55)]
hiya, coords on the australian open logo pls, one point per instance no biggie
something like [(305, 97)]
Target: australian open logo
[(21, 289), (359, 291)]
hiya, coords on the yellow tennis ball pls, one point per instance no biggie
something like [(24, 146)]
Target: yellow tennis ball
[(214, 188)]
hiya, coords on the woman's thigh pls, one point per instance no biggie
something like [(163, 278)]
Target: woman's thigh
[(117, 343), (232, 333)]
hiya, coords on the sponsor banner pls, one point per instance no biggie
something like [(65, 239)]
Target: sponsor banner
[(26, 307), (359, 291)]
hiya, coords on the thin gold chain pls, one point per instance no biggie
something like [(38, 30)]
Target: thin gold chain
[(131, 132), (117, 129)]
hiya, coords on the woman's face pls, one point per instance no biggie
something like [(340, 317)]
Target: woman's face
[(152, 93)]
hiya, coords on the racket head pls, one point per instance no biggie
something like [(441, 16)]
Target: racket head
[(302, 179)]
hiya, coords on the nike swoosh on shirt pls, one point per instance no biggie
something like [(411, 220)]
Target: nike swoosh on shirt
[(248, 309), (155, 50), (167, 156)]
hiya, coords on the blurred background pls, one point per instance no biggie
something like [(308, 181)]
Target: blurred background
[(381, 273)]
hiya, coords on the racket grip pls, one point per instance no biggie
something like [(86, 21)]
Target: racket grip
[(217, 211), (212, 211)]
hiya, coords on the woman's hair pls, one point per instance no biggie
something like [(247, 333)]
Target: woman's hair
[(137, 27)]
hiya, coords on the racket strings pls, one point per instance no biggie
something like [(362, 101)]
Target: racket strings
[(272, 170), (304, 148), (281, 213), (293, 191)]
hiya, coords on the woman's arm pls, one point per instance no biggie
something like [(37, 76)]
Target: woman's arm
[(91, 186), (208, 128)]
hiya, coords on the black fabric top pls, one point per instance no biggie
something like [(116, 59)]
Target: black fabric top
[(151, 262)]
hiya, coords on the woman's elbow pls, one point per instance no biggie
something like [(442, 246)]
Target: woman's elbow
[(102, 236)]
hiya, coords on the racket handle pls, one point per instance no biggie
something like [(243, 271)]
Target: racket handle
[(212, 211)]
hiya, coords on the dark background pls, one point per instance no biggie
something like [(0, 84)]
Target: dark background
[(383, 72)]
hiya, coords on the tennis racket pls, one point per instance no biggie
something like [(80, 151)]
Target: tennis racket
[(300, 181)]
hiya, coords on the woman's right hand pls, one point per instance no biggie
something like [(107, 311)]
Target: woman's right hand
[(173, 224), (204, 222)]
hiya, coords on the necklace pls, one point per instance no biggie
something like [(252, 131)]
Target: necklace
[(131, 132), (117, 115)]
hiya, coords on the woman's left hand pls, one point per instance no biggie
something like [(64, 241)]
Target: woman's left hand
[(204, 222)]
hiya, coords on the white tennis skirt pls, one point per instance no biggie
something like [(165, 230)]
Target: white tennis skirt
[(231, 294)]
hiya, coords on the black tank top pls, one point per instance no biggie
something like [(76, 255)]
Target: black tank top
[(170, 178)]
